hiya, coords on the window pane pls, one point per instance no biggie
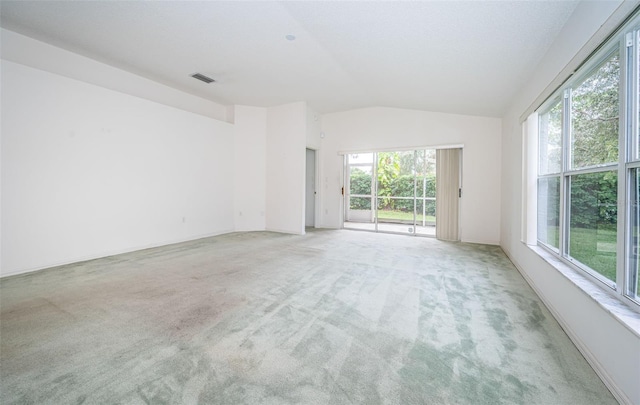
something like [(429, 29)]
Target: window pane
[(637, 105), (360, 180), (426, 209), (360, 203), (550, 138), (549, 211), (594, 117), (593, 215), (633, 281)]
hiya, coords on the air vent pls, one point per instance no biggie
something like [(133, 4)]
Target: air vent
[(202, 77)]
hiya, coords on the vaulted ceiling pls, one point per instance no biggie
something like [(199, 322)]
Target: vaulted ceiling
[(466, 57)]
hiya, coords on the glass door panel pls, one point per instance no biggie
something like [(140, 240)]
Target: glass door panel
[(396, 192), (426, 192), (359, 209)]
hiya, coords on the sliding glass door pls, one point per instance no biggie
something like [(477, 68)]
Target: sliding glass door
[(391, 191), (360, 191)]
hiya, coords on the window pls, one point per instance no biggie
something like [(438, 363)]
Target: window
[(594, 110), (549, 211), (550, 166), (588, 186), (551, 139), (632, 281), (592, 221)]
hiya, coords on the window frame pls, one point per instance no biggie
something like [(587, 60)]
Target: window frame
[(630, 138), (626, 43)]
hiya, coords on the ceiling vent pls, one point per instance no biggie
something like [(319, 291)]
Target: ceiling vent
[(202, 78)]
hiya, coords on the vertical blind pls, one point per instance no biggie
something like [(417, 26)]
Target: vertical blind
[(447, 192)]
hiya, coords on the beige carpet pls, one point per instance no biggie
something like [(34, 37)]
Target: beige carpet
[(333, 317)]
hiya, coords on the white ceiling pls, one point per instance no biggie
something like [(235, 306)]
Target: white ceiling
[(466, 57)]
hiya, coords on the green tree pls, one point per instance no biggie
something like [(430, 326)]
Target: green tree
[(388, 170), (594, 116)]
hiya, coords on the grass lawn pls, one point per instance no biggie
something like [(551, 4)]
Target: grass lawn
[(403, 216), (596, 248)]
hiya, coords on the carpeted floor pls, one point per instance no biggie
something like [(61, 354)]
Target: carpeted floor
[(333, 317)]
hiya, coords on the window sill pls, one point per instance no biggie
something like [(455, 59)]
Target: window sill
[(606, 300)]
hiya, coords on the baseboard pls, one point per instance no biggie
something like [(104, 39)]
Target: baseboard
[(287, 231), (112, 253), (481, 242), (619, 395)]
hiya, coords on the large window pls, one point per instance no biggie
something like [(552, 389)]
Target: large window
[(588, 187)]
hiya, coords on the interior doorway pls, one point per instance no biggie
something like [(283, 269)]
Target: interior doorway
[(393, 192), (310, 189)]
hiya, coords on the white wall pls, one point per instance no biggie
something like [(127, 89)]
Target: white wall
[(250, 135), (270, 163), (611, 348), (88, 172), (313, 128), (286, 156), (27, 51), (380, 128)]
